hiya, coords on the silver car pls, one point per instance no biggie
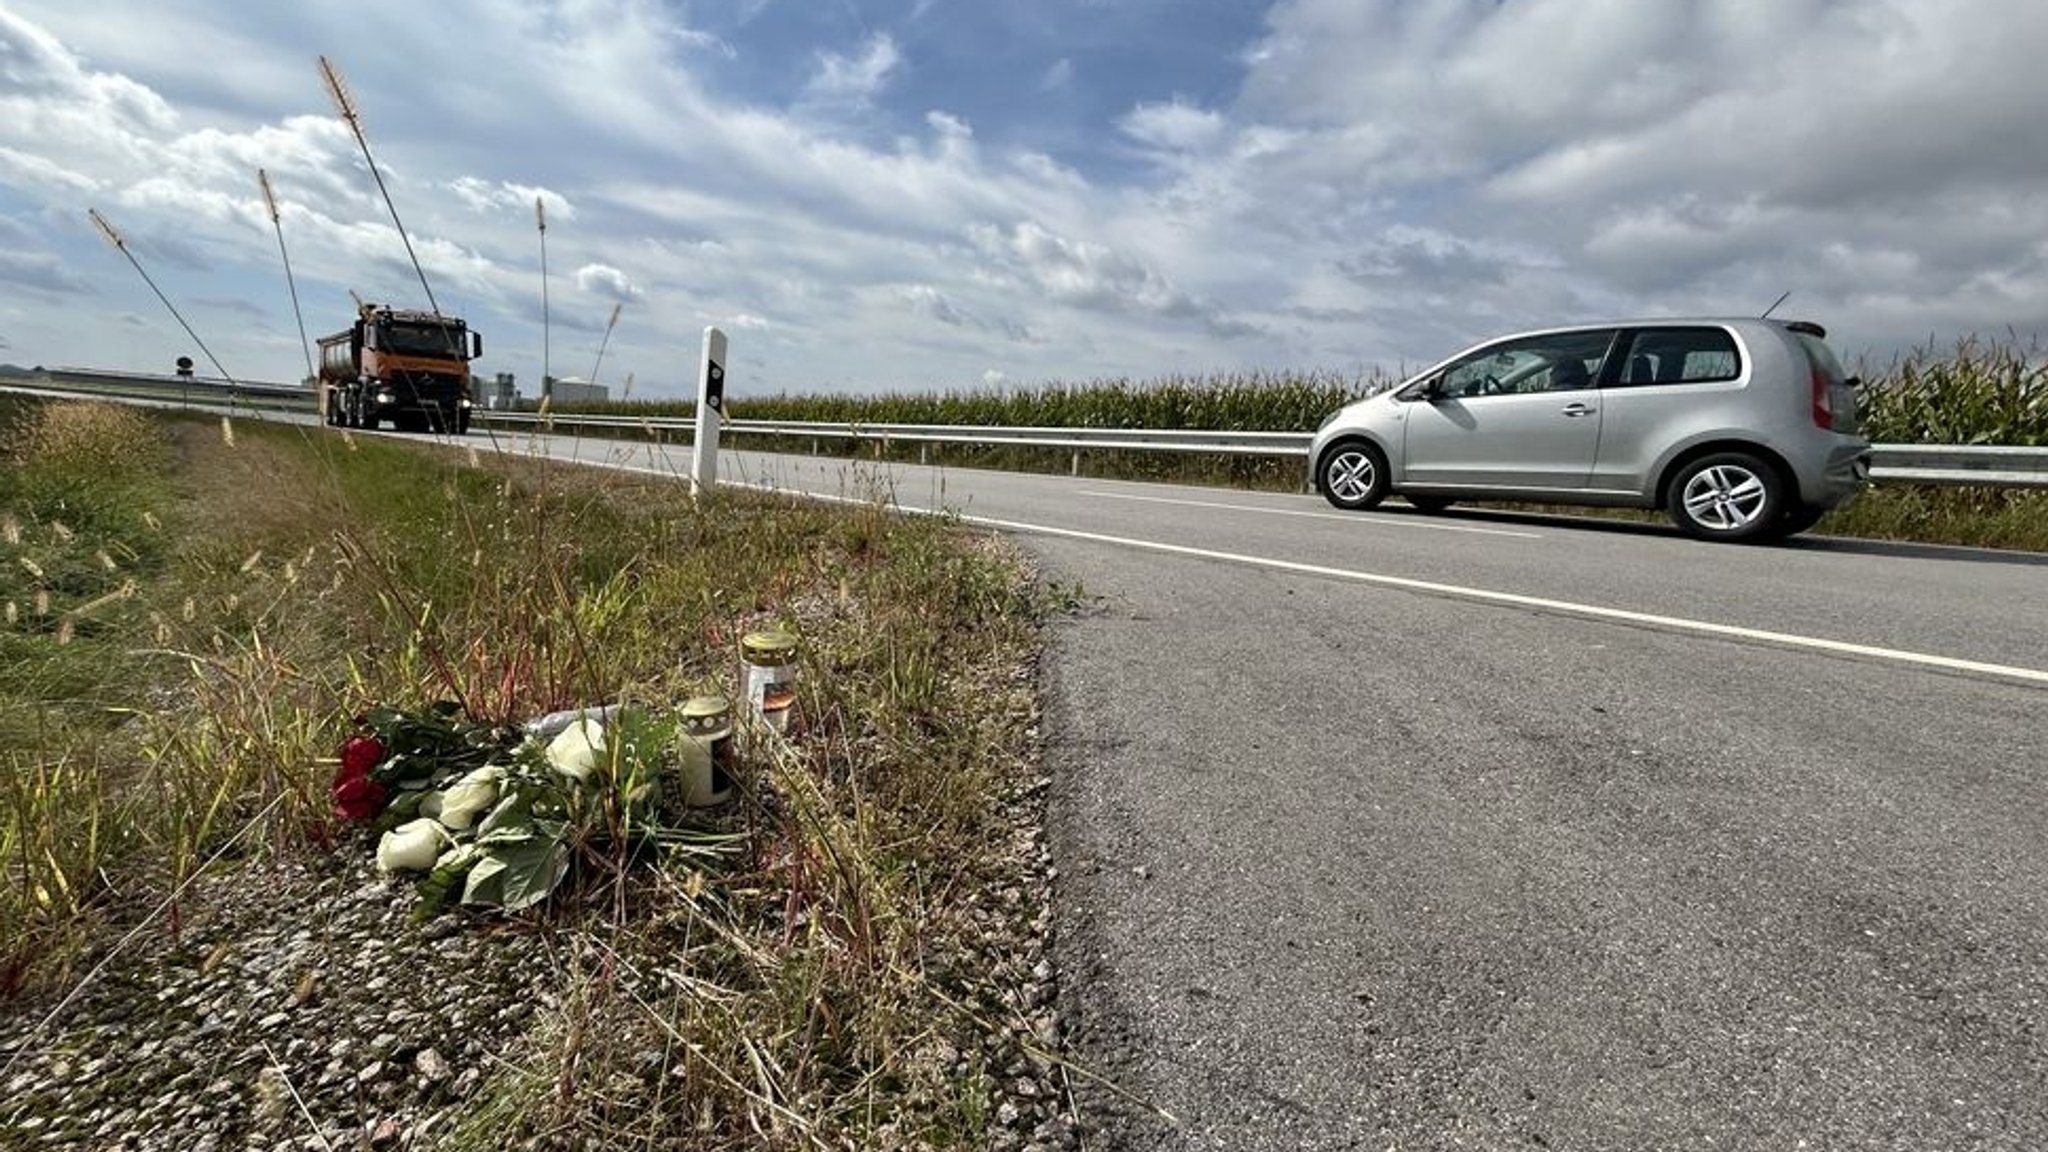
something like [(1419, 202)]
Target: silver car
[(1740, 429)]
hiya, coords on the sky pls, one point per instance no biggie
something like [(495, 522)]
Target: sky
[(916, 195)]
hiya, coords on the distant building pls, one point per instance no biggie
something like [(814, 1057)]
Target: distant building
[(502, 396), (574, 391)]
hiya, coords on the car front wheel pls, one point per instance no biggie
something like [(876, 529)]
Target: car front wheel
[(1353, 475), (1727, 496)]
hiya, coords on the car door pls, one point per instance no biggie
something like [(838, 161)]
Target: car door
[(1675, 383), (1519, 414)]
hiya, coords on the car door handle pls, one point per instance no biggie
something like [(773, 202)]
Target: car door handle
[(1577, 410)]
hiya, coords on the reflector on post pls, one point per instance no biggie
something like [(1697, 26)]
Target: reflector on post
[(710, 413)]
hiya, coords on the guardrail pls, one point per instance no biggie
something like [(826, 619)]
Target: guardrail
[(1983, 465), (1997, 466)]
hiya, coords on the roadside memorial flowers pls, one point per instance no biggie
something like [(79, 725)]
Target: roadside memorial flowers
[(493, 815), (357, 797)]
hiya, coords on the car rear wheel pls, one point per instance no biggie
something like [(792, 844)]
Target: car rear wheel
[(1353, 475), (1727, 496)]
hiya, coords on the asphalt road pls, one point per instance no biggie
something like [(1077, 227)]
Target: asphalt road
[(1390, 831)]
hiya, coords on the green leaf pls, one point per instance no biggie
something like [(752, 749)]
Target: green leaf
[(450, 870), (510, 822), (486, 884), (527, 872)]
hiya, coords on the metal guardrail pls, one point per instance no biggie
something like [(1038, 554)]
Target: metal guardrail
[(1985, 465), (1132, 439), (1939, 464)]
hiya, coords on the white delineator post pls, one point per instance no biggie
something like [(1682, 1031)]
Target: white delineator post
[(710, 413)]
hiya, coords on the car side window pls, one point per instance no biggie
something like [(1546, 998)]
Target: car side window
[(1549, 362), (1680, 356)]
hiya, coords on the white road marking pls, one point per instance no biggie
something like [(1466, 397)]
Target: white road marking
[(1351, 517), (1563, 607)]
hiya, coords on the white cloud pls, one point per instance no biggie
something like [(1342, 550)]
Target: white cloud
[(929, 301), (30, 169), (41, 272), (607, 281), (1174, 126), (503, 195), (855, 78), (1084, 274), (1383, 179)]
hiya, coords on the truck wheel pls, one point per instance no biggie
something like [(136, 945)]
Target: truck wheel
[(462, 422)]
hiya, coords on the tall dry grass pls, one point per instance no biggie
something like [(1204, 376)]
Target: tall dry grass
[(819, 984)]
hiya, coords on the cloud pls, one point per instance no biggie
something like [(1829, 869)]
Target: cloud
[(1083, 274), (1353, 181), (604, 280), (37, 68), (855, 79), (1173, 126), (926, 300), (247, 308), (28, 169), (502, 195)]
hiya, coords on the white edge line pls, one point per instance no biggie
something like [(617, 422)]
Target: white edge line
[(1674, 623), (1350, 517)]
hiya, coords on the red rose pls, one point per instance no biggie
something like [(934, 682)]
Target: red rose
[(357, 798), (359, 756)]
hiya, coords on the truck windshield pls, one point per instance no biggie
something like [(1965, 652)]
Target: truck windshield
[(420, 339)]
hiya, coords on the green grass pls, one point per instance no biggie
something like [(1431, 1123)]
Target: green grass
[(277, 582)]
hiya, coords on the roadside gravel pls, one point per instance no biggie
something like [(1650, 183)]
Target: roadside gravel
[(298, 1007)]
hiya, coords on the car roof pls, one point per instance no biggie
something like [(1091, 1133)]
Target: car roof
[(1662, 322), (1792, 325)]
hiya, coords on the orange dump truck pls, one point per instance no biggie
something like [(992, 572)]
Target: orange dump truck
[(406, 368)]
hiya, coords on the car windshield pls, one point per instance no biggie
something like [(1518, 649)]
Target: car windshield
[(420, 339)]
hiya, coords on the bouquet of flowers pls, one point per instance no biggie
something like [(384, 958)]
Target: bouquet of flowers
[(492, 814)]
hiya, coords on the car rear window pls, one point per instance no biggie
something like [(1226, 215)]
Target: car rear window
[(1680, 356), (1823, 357)]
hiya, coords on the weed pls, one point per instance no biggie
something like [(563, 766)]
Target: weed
[(789, 990)]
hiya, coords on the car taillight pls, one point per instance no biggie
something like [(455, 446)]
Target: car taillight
[(1823, 401)]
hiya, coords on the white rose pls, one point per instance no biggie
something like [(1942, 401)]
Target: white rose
[(471, 796), (576, 750), (411, 847)]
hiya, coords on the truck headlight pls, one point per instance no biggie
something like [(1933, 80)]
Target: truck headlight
[(386, 398)]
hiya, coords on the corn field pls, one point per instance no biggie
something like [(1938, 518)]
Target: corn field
[(1977, 392)]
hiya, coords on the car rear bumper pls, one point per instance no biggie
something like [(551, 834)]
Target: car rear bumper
[(1846, 472)]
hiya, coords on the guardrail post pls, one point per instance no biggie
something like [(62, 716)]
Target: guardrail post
[(710, 413), (1076, 469)]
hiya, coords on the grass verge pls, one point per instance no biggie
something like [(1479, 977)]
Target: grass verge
[(197, 609)]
